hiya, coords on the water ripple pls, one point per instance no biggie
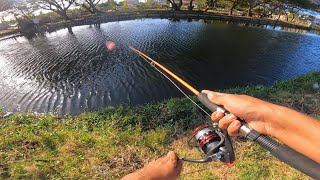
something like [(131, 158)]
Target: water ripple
[(72, 73)]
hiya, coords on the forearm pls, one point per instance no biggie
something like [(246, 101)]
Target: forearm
[(297, 130)]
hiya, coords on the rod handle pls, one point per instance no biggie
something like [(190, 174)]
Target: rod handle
[(286, 154), (280, 151)]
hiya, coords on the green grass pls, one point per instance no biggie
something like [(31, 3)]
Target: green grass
[(317, 28), (118, 140)]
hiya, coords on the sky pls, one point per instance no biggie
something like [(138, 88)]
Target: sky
[(312, 13)]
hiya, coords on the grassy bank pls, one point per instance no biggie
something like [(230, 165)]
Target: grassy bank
[(117, 140)]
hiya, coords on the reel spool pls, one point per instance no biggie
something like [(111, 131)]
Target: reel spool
[(207, 139), (214, 143)]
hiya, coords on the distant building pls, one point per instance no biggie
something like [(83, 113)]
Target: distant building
[(132, 3), (184, 2), (35, 20), (161, 2), (316, 22)]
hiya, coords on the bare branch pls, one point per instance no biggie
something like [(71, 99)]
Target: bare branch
[(58, 6), (97, 2)]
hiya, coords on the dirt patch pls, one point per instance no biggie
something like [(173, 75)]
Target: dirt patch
[(30, 145), (4, 167), (71, 148), (120, 165), (307, 103)]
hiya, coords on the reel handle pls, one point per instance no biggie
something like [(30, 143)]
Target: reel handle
[(280, 151), (207, 159)]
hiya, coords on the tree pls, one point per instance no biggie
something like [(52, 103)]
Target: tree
[(120, 3), (110, 4), (234, 4), (5, 5), (176, 7), (190, 7), (253, 4), (294, 6), (58, 6), (210, 4), (21, 8), (271, 7), (89, 5), (22, 11)]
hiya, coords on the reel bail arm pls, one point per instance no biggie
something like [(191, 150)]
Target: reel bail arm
[(214, 143), (207, 159)]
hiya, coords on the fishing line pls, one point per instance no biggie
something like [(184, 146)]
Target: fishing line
[(176, 86)]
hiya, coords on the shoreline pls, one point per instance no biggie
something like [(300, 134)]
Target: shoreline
[(115, 141), (167, 14)]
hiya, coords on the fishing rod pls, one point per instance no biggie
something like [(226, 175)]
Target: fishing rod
[(216, 143)]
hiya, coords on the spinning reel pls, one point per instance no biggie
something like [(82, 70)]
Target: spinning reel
[(214, 143)]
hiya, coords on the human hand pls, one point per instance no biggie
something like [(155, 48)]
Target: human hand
[(257, 113), (166, 168), (296, 130)]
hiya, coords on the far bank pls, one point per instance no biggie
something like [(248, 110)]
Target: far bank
[(140, 14)]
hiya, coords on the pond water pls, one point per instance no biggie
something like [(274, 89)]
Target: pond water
[(70, 73)]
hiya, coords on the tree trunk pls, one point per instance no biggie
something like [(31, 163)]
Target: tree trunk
[(250, 11), (190, 7), (24, 15), (96, 11), (88, 9), (93, 8), (70, 30), (232, 8), (215, 3), (175, 6), (64, 15), (180, 4), (293, 16)]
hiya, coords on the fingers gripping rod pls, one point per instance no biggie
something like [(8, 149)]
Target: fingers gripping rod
[(280, 151)]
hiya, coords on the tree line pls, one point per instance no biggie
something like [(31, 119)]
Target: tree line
[(264, 8), (23, 8)]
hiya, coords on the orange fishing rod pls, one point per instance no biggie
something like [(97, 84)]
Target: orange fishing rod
[(280, 151), (185, 84), (201, 96)]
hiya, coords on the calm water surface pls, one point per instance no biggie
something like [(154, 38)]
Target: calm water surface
[(72, 73)]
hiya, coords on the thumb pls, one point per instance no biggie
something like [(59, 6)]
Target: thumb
[(215, 97), (173, 158), (179, 168)]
